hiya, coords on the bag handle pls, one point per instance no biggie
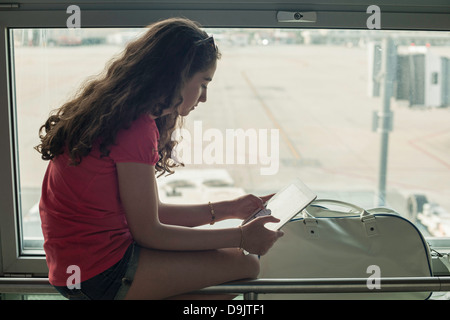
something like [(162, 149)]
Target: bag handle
[(323, 202), (367, 218)]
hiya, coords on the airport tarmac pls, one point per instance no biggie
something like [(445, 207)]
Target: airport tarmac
[(313, 98), (316, 96)]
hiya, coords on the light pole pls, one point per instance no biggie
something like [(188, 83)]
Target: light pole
[(384, 118)]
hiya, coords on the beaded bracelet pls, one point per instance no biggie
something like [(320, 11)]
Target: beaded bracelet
[(241, 244), (213, 215)]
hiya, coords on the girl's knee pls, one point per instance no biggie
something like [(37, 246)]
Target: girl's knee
[(249, 265), (253, 265)]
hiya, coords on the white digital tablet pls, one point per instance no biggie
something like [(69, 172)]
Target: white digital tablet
[(286, 204)]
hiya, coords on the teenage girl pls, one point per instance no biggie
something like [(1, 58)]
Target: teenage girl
[(107, 235)]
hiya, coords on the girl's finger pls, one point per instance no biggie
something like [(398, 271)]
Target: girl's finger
[(266, 197)]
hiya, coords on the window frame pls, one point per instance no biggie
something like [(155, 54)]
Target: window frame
[(248, 14)]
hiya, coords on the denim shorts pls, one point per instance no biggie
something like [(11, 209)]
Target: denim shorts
[(111, 284)]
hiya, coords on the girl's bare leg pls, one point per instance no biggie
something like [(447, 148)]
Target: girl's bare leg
[(168, 274)]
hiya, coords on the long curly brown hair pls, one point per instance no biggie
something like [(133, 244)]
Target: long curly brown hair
[(147, 77)]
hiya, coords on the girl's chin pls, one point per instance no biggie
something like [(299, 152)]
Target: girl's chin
[(186, 112)]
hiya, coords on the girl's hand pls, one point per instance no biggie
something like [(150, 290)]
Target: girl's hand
[(244, 206), (256, 238)]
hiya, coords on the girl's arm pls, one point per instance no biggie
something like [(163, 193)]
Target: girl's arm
[(139, 196), (193, 215), (200, 214)]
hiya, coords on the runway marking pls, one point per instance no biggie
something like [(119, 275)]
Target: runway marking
[(272, 118), (415, 143)]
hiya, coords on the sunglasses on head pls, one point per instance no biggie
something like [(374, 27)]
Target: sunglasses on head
[(209, 40)]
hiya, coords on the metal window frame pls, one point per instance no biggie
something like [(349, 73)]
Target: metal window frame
[(101, 13), (252, 288)]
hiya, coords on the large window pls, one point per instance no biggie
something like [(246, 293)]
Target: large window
[(284, 103)]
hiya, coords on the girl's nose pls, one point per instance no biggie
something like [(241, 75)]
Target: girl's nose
[(202, 96)]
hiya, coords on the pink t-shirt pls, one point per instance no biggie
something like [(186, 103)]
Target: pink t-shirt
[(83, 220)]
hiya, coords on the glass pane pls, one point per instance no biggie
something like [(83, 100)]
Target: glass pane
[(310, 105), (49, 66), (283, 104)]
